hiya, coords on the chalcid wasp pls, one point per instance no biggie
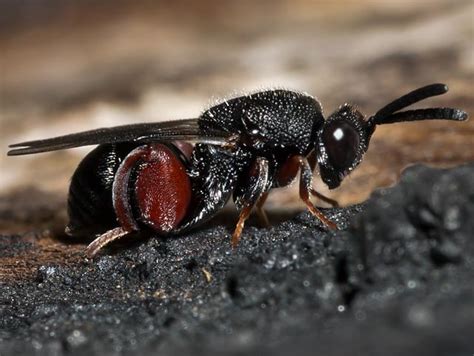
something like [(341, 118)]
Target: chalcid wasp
[(172, 176)]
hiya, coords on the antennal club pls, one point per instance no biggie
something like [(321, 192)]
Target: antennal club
[(389, 115), (425, 114)]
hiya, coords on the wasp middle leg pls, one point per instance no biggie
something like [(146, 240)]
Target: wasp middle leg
[(250, 193)]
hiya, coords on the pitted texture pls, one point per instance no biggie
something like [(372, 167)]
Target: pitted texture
[(273, 119)]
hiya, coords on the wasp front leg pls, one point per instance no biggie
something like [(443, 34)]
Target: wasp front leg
[(332, 202), (262, 215), (287, 174), (306, 176), (312, 160)]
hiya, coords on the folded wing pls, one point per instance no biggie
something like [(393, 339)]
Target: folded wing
[(185, 130)]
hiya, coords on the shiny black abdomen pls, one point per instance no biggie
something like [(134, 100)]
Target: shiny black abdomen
[(90, 206)]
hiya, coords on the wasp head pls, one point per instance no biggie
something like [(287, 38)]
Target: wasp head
[(344, 136), (342, 142)]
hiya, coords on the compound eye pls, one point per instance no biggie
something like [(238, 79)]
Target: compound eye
[(341, 141)]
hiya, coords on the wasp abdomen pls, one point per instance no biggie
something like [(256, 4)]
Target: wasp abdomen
[(90, 207)]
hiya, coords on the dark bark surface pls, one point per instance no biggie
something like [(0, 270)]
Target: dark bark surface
[(397, 279), (68, 66)]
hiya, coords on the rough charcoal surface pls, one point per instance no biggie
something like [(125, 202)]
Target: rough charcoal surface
[(397, 279)]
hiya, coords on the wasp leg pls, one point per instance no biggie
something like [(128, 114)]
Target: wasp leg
[(305, 188), (105, 239), (324, 198), (262, 215), (244, 214), (249, 193)]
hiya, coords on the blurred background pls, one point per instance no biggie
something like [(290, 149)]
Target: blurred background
[(67, 66)]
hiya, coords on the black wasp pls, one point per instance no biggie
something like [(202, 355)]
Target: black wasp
[(171, 176)]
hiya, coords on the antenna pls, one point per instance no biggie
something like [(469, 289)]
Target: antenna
[(389, 115)]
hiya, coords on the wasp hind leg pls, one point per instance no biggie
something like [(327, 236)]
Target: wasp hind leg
[(104, 239)]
